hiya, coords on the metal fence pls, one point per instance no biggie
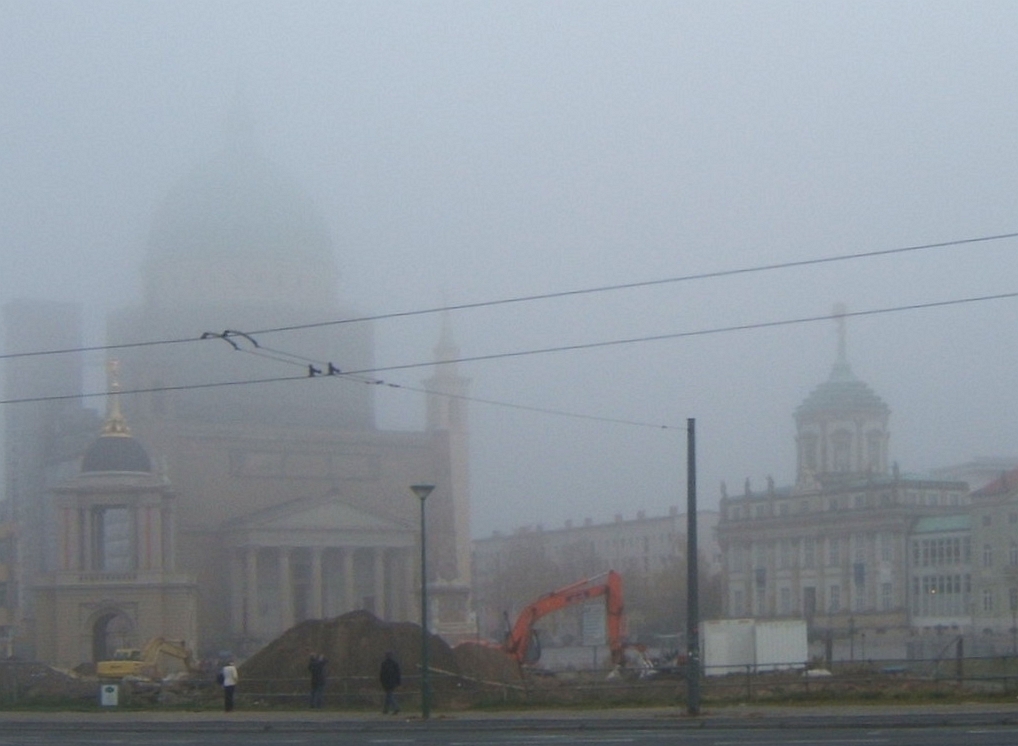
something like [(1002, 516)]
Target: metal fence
[(23, 684)]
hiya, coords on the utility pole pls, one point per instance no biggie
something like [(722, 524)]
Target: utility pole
[(692, 580)]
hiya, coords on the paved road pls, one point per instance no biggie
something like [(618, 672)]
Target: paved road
[(492, 734), (954, 725)]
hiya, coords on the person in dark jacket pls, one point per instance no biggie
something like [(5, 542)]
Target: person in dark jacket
[(316, 666), (389, 676)]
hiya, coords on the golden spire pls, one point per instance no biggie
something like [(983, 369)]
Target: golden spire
[(115, 423)]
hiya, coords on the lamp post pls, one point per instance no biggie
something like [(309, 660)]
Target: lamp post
[(422, 491)]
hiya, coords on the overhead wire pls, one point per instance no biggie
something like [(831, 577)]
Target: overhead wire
[(361, 375), (715, 274)]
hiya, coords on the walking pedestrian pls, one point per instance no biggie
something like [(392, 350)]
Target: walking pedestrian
[(389, 676), (228, 678), (316, 666)]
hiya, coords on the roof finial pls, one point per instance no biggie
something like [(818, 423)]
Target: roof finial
[(116, 423), (841, 370), (839, 315)]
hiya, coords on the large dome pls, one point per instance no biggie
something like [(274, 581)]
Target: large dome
[(239, 204), (238, 231)]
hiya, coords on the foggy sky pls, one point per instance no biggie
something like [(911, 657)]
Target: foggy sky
[(465, 152)]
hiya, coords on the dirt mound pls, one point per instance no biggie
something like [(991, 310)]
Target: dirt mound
[(24, 680), (354, 645), (486, 663)]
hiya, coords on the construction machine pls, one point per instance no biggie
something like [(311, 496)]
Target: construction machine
[(144, 662), (522, 642)]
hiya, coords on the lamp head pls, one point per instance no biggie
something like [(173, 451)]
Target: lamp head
[(422, 490)]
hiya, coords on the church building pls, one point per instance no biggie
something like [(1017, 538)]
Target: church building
[(256, 505)]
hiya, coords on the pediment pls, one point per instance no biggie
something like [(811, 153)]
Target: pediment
[(316, 515)]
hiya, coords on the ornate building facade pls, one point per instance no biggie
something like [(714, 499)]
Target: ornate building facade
[(834, 547), (288, 501)]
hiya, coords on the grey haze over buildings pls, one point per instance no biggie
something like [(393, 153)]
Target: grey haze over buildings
[(463, 152)]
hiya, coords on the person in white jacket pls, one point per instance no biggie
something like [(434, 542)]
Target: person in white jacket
[(228, 678)]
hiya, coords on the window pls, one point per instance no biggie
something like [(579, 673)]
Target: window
[(809, 601), (834, 599), (987, 599), (987, 555), (1013, 554), (886, 548), (808, 552), (784, 554), (833, 551), (841, 446), (858, 548), (786, 601), (809, 453), (886, 597)]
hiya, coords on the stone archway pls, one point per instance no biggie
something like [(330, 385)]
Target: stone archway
[(111, 630)]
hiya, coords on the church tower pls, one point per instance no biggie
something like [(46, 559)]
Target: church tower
[(115, 583), (447, 421), (841, 427)]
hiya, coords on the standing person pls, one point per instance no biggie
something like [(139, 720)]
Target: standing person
[(390, 678), (229, 678), (316, 666)]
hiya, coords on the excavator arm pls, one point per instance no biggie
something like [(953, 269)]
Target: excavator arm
[(519, 638)]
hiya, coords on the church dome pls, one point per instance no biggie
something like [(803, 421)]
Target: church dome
[(841, 392), (115, 453), (240, 206)]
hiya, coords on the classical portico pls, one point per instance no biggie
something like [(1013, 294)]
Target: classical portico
[(314, 559)]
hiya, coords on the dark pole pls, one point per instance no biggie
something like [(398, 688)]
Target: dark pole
[(422, 491), (692, 580)]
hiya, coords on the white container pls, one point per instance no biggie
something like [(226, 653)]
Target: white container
[(727, 645), (781, 645)]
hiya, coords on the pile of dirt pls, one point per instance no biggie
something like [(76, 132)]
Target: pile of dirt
[(26, 680), (355, 644), (486, 663)]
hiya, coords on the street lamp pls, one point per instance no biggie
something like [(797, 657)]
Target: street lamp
[(422, 491)]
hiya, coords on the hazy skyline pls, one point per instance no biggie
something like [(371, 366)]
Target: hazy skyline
[(465, 152)]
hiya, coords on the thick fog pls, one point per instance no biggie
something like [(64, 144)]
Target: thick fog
[(464, 152)]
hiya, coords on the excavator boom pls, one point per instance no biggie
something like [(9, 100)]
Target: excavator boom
[(519, 638)]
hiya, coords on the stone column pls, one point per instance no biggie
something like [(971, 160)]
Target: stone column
[(378, 580), (349, 581), (316, 583), (237, 591), (88, 539), (410, 583), (251, 591), (285, 589)]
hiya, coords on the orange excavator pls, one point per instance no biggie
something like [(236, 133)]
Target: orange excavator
[(522, 642)]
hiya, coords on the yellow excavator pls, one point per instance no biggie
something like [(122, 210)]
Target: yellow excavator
[(145, 662)]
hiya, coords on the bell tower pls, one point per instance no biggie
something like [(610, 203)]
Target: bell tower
[(841, 427)]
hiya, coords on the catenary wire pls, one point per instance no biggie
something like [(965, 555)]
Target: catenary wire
[(358, 374), (717, 274)]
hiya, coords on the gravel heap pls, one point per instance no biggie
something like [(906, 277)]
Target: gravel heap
[(355, 644)]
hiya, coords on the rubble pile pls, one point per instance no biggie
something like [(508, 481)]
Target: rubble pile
[(486, 663), (24, 680), (354, 645)]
